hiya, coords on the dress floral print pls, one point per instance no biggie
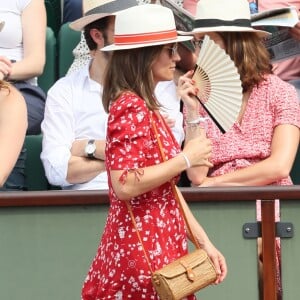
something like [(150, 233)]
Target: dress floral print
[(119, 269)]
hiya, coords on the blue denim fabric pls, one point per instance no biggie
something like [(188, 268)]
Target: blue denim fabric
[(16, 179), (72, 10)]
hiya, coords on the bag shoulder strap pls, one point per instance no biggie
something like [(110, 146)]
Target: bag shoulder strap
[(194, 240), (174, 189), (138, 234)]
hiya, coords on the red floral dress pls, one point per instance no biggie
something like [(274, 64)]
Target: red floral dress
[(119, 269)]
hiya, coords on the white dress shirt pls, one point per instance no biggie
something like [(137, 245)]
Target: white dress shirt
[(73, 111), (166, 94)]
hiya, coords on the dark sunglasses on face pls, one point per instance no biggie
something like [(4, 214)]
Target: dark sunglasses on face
[(173, 50), (198, 43)]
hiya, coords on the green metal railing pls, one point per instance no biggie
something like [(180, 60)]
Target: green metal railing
[(48, 239)]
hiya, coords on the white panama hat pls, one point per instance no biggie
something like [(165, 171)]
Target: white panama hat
[(221, 15), (143, 26), (97, 9)]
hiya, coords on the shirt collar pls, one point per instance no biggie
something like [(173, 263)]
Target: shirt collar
[(93, 85)]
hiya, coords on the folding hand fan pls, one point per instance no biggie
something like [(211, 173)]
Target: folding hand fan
[(219, 84)]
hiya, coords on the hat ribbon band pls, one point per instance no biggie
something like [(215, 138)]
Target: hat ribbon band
[(217, 22), (143, 38)]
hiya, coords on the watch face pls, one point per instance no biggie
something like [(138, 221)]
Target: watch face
[(90, 149)]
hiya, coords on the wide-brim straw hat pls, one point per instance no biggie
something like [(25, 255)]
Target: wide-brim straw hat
[(97, 9), (2, 23), (143, 26), (221, 15)]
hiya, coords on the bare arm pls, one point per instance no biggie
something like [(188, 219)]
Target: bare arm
[(156, 175), (13, 125), (82, 169), (277, 166), (34, 41), (187, 90)]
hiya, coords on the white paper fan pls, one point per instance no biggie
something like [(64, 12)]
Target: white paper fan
[(2, 23), (218, 80)]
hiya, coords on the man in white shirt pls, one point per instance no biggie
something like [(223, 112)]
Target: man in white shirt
[(74, 115), (166, 94), (74, 125)]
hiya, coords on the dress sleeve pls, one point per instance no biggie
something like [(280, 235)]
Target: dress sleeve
[(287, 106), (129, 134)]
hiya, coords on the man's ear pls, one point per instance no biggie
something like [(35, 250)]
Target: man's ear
[(97, 36)]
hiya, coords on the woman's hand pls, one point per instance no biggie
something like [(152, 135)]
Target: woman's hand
[(198, 151), (5, 67), (217, 259), (187, 91)]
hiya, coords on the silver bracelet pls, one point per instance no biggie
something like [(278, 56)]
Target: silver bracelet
[(187, 161), (194, 126), (196, 121)]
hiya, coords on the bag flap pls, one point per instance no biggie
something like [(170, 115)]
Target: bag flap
[(176, 268)]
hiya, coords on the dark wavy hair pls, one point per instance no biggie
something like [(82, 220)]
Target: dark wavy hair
[(101, 25), (130, 70), (250, 56)]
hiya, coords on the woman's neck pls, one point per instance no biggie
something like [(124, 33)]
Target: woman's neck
[(243, 107)]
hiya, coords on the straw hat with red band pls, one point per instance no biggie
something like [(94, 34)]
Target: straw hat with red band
[(221, 15), (97, 9), (143, 26)]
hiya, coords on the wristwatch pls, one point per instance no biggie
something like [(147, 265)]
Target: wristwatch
[(90, 149)]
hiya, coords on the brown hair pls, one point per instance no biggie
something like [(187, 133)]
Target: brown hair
[(4, 85), (130, 70), (250, 56)]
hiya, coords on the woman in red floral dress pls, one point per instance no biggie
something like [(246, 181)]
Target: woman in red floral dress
[(136, 171)]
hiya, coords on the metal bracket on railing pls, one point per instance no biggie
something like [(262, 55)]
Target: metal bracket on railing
[(253, 230)]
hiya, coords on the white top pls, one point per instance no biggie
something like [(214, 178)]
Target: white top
[(73, 111), (11, 37), (166, 94)]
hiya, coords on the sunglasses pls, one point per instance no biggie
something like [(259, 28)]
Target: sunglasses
[(198, 43), (173, 50)]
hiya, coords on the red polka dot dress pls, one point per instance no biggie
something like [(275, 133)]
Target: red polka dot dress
[(119, 269)]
